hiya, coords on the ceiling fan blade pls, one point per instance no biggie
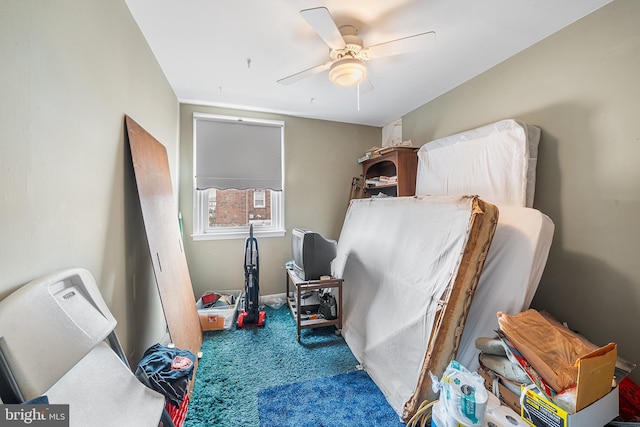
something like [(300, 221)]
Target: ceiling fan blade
[(322, 22), (306, 73), (404, 45)]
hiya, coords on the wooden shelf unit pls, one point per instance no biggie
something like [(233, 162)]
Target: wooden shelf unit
[(400, 162), (294, 301)]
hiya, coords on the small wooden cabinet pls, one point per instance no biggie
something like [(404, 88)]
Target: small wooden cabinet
[(399, 162)]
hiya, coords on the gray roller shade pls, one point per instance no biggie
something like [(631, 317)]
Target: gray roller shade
[(237, 154)]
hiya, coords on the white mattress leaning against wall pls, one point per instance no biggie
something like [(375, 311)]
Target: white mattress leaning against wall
[(497, 162)]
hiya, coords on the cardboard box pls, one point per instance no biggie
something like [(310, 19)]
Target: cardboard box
[(548, 364), (594, 376), (539, 412), (221, 315)]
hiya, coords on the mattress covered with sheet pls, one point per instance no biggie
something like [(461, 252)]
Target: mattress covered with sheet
[(510, 276), (410, 265), (497, 162)]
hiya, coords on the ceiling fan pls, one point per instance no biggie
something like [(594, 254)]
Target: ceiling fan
[(348, 54)]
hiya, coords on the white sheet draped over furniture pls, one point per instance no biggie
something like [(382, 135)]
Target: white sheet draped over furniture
[(409, 265)]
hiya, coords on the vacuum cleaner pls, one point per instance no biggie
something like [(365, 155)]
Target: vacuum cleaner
[(251, 315)]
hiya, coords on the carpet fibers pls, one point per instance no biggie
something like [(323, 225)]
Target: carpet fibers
[(344, 400), (262, 376)]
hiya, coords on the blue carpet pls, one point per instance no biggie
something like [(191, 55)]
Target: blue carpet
[(238, 363), (344, 400)]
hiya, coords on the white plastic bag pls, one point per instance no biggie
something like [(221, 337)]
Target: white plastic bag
[(463, 394)]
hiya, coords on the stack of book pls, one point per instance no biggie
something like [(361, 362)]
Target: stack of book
[(381, 181)]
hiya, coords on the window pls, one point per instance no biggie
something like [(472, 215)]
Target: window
[(238, 177), (258, 199)]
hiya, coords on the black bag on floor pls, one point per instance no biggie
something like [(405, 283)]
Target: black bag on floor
[(328, 307)]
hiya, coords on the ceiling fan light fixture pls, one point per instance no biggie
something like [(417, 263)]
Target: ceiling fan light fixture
[(347, 72)]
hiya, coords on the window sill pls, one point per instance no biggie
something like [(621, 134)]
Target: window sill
[(237, 235)]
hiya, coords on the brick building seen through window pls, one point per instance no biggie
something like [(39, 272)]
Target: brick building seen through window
[(233, 208)]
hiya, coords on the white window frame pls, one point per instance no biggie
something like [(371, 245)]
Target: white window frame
[(201, 229), (262, 200)]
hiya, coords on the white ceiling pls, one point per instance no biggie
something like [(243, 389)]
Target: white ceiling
[(230, 53)]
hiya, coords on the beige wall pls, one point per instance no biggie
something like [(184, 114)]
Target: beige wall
[(582, 87), (320, 160), (70, 72)]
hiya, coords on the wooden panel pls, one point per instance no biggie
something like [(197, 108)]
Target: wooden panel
[(159, 212)]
